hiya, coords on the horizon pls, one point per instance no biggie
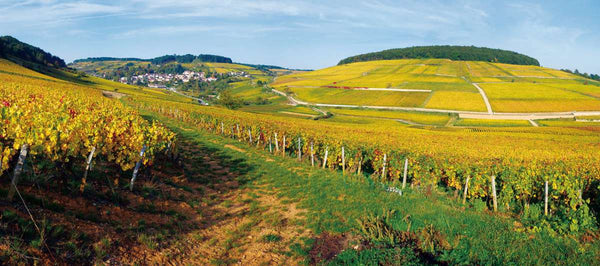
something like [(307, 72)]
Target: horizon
[(304, 34)]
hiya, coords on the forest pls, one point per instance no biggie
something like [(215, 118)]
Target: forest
[(458, 53)]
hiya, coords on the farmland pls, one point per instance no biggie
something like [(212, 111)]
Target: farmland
[(510, 88)]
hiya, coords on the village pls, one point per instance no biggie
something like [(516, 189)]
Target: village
[(157, 80), (152, 78)]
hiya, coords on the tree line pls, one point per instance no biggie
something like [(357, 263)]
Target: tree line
[(595, 77), (20, 52), (458, 53), (187, 58)]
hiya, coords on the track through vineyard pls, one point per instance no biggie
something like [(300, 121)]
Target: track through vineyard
[(233, 218)]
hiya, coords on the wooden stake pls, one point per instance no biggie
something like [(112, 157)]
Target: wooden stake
[(383, 170), (137, 168), (466, 190), (250, 135), (359, 166), (17, 172), (343, 161), (546, 198), (299, 149), (222, 129), (494, 199), (312, 155), (325, 159), (238, 131), (87, 168), (270, 145), (276, 143), (405, 172), (283, 148)]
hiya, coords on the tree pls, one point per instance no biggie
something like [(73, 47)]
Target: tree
[(228, 100)]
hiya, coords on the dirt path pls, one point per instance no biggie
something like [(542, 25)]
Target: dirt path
[(533, 123), (237, 224), (485, 98)]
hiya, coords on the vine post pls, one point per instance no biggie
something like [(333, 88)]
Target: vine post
[(325, 158), (17, 172), (276, 143), (466, 190), (299, 149), (137, 168), (283, 146), (312, 155), (383, 169), (88, 167), (343, 161), (494, 199), (405, 172), (546, 198)]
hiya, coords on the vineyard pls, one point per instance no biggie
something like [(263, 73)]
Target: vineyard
[(464, 162), (65, 123), (444, 85), (96, 172)]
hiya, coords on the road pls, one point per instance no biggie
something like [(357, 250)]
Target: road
[(485, 98), (461, 114), (187, 96)]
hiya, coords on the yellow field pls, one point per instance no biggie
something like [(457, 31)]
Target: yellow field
[(484, 69), (360, 97), (510, 88), (421, 118), (10, 67), (492, 123), (226, 67), (456, 100), (528, 97)]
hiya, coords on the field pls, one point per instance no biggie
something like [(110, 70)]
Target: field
[(534, 97), (415, 117), (510, 88), (492, 123), (361, 97)]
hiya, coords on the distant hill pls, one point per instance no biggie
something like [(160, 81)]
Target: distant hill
[(27, 55), (188, 58), (457, 53)]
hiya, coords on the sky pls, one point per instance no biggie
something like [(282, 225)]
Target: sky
[(305, 34)]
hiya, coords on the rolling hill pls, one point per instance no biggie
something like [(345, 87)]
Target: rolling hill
[(445, 85)]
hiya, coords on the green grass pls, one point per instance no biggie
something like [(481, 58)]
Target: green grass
[(334, 203)]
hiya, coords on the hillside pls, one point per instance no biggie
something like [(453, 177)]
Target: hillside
[(28, 55), (456, 53), (445, 85)]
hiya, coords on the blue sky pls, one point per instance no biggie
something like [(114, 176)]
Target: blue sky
[(305, 34)]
